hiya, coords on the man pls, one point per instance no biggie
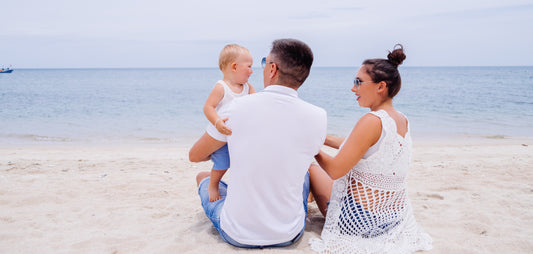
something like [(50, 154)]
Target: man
[(275, 136)]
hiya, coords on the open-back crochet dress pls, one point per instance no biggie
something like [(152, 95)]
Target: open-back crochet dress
[(369, 211)]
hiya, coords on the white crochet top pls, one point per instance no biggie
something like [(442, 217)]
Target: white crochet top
[(369, 211)]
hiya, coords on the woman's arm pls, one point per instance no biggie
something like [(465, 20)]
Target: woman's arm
[(365, 134)]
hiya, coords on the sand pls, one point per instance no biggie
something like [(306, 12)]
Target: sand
[(472, 195)]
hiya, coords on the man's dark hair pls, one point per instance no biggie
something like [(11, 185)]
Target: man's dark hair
[(293, 59)]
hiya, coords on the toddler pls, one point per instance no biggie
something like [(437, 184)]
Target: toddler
[(235, 62)]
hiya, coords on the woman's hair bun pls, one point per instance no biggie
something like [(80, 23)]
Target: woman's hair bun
[(397, 56)]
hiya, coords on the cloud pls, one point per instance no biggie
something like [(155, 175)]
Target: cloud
[(341, 33)]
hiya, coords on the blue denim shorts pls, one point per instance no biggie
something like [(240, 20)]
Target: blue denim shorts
[(213, 209), (220, 158), (356, 220)]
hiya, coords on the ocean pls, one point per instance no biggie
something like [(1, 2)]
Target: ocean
[(165, 105)]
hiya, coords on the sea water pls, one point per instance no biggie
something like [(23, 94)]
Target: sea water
[(165, 105)]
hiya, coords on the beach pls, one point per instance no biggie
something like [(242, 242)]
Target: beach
[(472, 195)]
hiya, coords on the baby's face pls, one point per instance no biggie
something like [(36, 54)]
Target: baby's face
[(244, 68)]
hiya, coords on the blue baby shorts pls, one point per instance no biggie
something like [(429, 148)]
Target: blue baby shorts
[(220, 158)]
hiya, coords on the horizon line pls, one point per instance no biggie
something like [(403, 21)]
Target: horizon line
[(258, 67)]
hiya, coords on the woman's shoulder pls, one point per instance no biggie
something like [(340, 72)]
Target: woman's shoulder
[(369, 125), (370, 118)]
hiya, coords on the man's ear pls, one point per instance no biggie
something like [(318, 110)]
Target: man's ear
[(273, 73)]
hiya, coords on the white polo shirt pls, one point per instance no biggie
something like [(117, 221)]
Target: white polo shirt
[(275, 136)]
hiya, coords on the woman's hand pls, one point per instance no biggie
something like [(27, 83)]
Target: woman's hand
[(365, 134)]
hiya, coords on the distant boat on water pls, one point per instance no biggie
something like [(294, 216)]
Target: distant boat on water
[(6, 70)]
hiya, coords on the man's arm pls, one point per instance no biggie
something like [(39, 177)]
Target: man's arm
[(334, 142)]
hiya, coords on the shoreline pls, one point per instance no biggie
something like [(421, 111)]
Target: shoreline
[(188, 141), (472, 195)]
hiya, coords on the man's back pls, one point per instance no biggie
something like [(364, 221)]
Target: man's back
[(275, 136)]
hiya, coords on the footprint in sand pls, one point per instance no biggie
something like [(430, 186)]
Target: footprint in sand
[(436, 196)]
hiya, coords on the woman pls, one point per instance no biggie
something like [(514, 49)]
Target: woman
[(362, 190)]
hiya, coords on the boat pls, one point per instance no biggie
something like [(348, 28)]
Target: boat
[(6, 70)]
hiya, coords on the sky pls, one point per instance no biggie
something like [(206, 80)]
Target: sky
[(188, 34)]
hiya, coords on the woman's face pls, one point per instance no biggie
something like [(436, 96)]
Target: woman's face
[(364, 88)]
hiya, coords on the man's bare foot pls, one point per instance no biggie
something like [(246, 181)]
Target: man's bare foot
[(214, 194)]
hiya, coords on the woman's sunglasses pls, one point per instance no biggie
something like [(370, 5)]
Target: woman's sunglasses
[(357, 82)]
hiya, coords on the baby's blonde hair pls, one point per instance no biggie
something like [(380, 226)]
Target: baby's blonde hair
[(229, 54)]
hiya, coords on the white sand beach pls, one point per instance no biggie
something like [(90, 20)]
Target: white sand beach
[(472, 195)]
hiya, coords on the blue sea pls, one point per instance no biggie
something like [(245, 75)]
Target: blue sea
[(165, 105)]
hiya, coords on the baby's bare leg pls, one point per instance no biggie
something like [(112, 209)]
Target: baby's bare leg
[(216, 176), (204, 147)]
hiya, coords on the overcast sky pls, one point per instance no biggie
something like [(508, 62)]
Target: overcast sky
[(170, 33)]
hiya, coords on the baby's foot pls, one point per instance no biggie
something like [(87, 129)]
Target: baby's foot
[(214, 195)]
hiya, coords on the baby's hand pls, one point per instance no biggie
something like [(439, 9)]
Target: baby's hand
[(221, 126)]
